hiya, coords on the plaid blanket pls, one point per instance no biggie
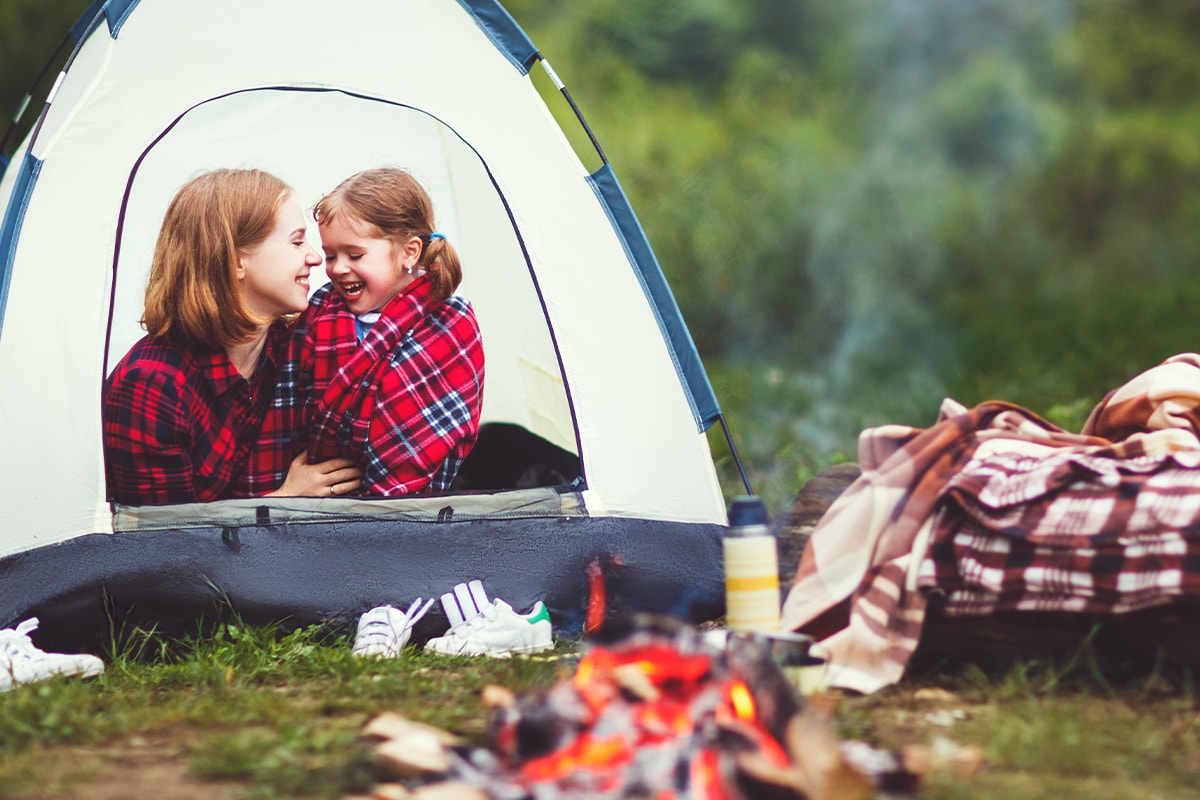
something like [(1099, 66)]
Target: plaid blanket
[(404, 404), (1000, 510)]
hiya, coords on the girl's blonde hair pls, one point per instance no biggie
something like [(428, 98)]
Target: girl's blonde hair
[(193, 291), (395, 207)]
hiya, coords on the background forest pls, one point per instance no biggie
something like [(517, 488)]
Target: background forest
[(865, 206)]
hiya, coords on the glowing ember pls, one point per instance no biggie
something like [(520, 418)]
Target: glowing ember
[(661, 713), (585, 753), (743, 702), (655, 715), (705, 776)]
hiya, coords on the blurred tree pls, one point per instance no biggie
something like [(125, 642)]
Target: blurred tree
[(688, 40), (1141, 53), (30, 33), (887, 200), (1101, 244)]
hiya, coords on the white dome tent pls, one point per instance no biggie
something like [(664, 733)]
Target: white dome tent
[(591, 374)]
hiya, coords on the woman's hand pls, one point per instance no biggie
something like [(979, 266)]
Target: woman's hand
[(328, 478)]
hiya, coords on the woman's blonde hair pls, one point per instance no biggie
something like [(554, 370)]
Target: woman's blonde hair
[(193, 291), (394, 206)]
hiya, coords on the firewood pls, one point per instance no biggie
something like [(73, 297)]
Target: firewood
[(449, 790), (417, 752), (390, 725), (383, 791), (497, 697), (410, 748), (822, 772), (634, 680)]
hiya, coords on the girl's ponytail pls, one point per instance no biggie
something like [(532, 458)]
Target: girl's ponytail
[(440, 261)]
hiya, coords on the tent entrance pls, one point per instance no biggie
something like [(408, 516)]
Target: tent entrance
[(312, 139)]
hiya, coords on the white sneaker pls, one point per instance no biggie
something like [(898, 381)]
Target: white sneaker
[(467, 600), (496, 630), (383, 631), (21, 662)]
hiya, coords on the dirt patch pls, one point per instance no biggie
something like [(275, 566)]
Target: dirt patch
[(154, 765)]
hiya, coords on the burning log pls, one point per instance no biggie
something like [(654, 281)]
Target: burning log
[(656, 710)]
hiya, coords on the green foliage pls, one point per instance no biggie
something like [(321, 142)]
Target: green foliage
[(884, 203), (30, 34), (671, 39), (896, 202)]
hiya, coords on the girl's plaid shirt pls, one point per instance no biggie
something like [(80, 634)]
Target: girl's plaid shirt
[(404, 404)]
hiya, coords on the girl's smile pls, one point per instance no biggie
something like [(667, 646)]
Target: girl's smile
[(368, 272)]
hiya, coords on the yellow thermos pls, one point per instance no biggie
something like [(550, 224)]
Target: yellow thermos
[(752, 598)]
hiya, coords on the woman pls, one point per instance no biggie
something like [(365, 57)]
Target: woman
[(183, 408)]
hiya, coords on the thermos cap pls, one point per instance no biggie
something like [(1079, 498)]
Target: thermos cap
[(747, 510)]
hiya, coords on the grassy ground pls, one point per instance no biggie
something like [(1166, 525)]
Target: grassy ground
[(252, 714), (1044, 732), (245, 713)]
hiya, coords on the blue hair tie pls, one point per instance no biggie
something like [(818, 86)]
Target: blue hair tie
[(433, 236)]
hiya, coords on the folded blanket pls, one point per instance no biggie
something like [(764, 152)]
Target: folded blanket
[(1001, 510)]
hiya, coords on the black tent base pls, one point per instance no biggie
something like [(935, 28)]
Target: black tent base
[(89, 591)]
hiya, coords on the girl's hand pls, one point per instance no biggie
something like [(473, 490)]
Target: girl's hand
[(330, 478)]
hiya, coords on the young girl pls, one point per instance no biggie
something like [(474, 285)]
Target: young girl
[(183, 407), (386, 365)]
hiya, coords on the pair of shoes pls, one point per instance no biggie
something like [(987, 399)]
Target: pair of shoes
[(21, 662), (385, 630), (482, 628)]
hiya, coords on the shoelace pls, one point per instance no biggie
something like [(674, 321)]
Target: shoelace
[(16, 643), (381, 627)]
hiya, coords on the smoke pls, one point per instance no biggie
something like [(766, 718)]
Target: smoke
[(953, 98)]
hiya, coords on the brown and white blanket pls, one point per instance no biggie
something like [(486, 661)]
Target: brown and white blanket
[(1000, 510)]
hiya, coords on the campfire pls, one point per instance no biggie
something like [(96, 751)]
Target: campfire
[(654, 710)]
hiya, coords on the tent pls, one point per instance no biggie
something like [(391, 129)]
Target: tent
[(596, 404)]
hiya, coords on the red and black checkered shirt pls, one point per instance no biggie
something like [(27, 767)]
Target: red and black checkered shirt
[(404, 403), (180, 422)]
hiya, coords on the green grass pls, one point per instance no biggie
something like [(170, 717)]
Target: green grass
[(272, 714), (256, 713), (1046, 732)]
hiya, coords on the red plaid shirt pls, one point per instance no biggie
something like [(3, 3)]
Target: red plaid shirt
[(179, 422), (404, 404)]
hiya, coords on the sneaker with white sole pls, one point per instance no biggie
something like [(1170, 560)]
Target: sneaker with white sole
[(497, 631), (22, 662), (385, 630)]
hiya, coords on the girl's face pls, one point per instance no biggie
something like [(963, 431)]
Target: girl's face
[(274, 273), (367, 272)]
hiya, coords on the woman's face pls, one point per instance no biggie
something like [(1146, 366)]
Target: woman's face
[(367, 272), (274, 273)]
